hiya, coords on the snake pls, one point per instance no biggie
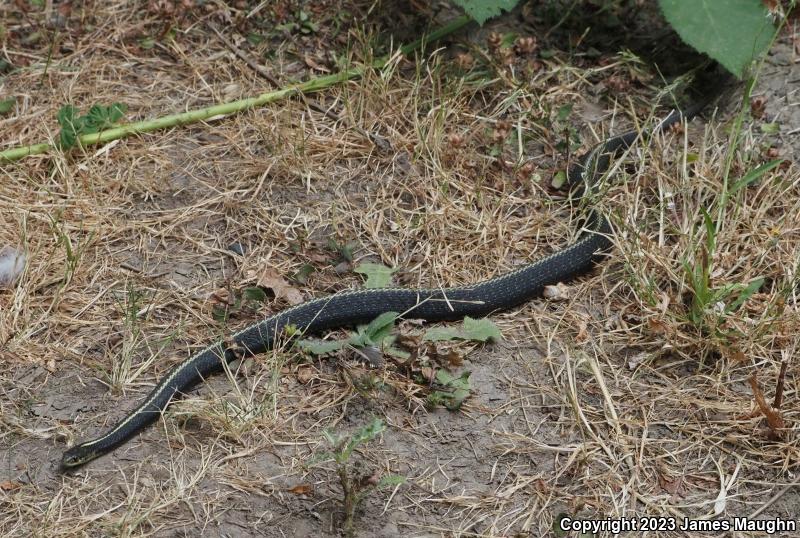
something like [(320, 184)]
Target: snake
[(358, 306)]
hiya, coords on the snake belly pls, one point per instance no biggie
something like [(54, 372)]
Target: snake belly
[(354, 307)]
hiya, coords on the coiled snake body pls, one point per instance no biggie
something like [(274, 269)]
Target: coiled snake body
[(361, 306)]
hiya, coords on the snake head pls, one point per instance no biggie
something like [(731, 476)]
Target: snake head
[(77, 456)]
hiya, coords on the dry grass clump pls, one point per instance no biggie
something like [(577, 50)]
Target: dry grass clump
[(624, 395)]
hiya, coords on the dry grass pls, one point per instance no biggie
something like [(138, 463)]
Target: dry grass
[(612, 402)]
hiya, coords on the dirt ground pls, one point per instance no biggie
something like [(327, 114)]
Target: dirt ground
[(605, 400)]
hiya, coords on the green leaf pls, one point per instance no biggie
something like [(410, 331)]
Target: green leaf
[(254, 38), (745, 294), (147, 43), (320, 347), (559, 179), (711, 232), (456, 390), (479, 330), (733, 32), (7, 105), (67, 117), (564, 112), (380, 327), (362, 435), (302, 274), (254, 294), (439, 334), (378, 276), (753, 175), (483, 10), (391, 480), (98, 118), (770, 128), (344, 250), (508, 40)]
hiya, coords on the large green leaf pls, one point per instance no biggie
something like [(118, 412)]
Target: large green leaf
[(483, 10), (378, 276), (480, 330), (733, 32)]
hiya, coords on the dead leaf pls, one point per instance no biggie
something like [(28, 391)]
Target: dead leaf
[(583, 332), (304, 375), (221, 296), (656, 326), (636, 360), (272, 280), (559, 292), (454, 358), (673, 486), (301, 489), (428, 373), (10, 485)]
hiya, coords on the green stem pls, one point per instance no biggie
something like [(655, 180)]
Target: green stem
[(225, 109), (738, 123)]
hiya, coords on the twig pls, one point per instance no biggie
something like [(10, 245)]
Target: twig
[(226, 109), (776, 403), (774, 419)]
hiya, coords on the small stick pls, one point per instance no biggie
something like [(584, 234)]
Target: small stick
[(226, 109), (779, 387)]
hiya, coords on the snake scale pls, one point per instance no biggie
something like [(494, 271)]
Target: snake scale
[(353, 307)]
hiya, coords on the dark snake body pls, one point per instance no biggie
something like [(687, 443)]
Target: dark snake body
[(353, 307)]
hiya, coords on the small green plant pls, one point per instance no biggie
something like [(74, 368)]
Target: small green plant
[(375, 335), (302, 23), (72, 253), (132, 308), (705, 298), (7, 105), (343, 250), (451, 391), (73, 126), (355, 486)]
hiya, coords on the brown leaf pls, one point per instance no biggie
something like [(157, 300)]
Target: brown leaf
[(272, 280), (10, 485), (428, 373), (583, 332), (673, 486), (221, 296), (301, 489), (656, 326), (304, 375), (454, 358)]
